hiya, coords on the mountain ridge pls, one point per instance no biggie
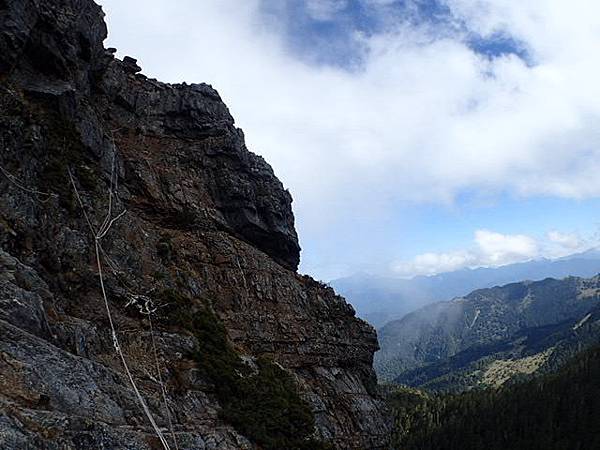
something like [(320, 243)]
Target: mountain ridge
[(381, 299), (484, 331)]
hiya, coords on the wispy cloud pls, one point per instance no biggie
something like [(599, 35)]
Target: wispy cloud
[(492, 249), (325, 10), (567, 241)]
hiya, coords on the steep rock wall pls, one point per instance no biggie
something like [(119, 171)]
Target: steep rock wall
[(206, 222)]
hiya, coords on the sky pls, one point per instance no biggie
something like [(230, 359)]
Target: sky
[(416, 136)]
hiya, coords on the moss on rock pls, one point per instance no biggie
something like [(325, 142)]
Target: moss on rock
[(259, 400)]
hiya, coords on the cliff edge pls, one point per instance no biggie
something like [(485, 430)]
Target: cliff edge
[(104, 168)]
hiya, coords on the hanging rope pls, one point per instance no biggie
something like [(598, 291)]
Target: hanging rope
[(108, 222)]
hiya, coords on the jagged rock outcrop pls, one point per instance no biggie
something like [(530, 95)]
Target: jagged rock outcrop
[(207, 227)]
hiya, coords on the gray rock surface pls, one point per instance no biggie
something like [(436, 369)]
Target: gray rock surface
[(204, 217)]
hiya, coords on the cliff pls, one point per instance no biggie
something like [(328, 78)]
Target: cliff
[(110, 176)]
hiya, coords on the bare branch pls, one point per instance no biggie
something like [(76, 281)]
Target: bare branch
[(14, 181)]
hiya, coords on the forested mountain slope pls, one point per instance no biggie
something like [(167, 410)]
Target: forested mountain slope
[(553, 412), (491, 335)]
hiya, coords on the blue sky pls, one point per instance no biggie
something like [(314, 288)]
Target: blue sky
[(416, 136), (446, 230), (323, 32)]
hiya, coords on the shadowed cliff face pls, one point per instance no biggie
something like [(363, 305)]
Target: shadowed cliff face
[(207, 227)]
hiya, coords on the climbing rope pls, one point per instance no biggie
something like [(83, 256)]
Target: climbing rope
[(105, 227)]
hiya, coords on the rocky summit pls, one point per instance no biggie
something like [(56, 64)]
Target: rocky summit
[(131, 205)]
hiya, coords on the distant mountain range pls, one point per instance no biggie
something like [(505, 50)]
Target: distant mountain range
[(492, 335), (380, 300)]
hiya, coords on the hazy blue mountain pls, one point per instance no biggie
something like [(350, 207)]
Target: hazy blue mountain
[(491, 335), (380, 299)]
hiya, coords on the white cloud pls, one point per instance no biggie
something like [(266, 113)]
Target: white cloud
[(492, 249), (569, 241), (433, 263), (559, 244), (325, 10), (426, 118), (497, 249)]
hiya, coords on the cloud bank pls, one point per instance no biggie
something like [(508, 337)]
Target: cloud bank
[(492, 249), (421, 118)]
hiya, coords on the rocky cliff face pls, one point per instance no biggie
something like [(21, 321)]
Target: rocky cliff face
[(203, 238)]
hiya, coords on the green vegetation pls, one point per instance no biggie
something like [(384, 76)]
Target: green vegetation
[(60, 142), (259, 400), (449, 346), (164, 249), (64, 149), (554, 412)]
